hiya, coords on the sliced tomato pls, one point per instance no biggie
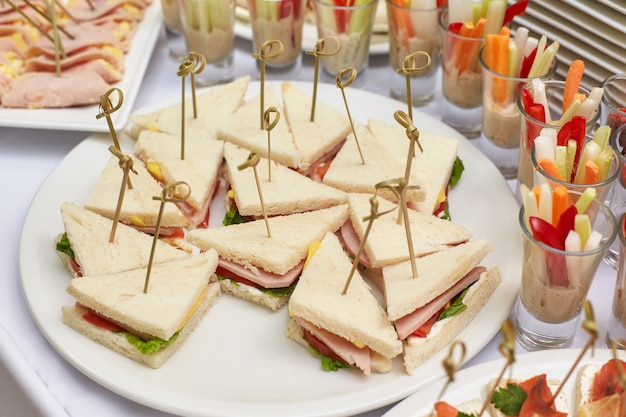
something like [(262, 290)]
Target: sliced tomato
[(605, 382), (225, 273), (76, 268), (320, 346), (444, 409), (101, 322), (322, 169), (424, 330)]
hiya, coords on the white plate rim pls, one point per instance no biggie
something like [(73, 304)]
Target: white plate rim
[(43, 283), (84, 118), (470, 382)]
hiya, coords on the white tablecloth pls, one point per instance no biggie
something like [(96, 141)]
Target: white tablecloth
[(34, 379)]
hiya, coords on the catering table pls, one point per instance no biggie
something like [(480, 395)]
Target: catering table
[(34, 379)]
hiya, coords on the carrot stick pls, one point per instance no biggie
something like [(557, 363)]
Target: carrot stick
[(591, 173), (572, 82), (402, 19), (537, 191), (498, 60), (560, 203), (465, 49), (550, 168)]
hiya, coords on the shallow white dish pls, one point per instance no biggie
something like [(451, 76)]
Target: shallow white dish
[(84, 118), (238, 361), (470, 383)]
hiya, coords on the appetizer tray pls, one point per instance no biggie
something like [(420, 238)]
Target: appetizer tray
[(238, 361), (84, 118), (470, 383)]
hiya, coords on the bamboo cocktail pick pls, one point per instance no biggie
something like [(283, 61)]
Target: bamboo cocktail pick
[(507, 349), (49, 18), (269, 124), (414, 137), (269, 50), (126, 163), (349, 74), (317, 52), (170, 194), (253, 161), (31, 21), (58, 48), (400, 187), (409, 67), (374, 214), (193, 64), (589, 324), (107, 108), (451, 364)]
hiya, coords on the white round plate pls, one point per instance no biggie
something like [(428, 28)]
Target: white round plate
[(471, 383), (238, 361)]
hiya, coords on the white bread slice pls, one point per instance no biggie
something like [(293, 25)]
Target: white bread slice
[(73, 317), (288, 192), (348, 173), (435, 274), (561, 402), (89, 233), (174, 288), (417, 350), (138, 207), (313, 138), (470, 407), (356, 316), (214, 106), (200, 169), (291, 235), (243, 128), (387, 244), (608, 406), (431, 168)]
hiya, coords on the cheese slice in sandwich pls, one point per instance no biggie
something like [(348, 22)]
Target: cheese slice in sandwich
[(431, 168), (161, 152), (214, 106), (288, 192), (347, 171), (85, 249), (147, 327), (138, 210), (243, 129), (263, 269), (352, 329), (317, 141), (386, 242), (418, 306)]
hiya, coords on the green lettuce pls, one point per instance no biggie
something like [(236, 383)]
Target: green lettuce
[(328, 364), (232, 216), (151, 345), (63, 246)]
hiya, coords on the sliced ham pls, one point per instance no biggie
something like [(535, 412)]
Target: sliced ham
[(261, 277), (195, 216), (113, 56), (352, 243), (322, 160), (85, 36), (406, 325), (346, 350)]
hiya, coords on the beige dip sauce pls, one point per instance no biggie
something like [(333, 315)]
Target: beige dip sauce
[(353, 52), (215, 45), (288, 31), (398, 51), (501, 125), (464, 90)]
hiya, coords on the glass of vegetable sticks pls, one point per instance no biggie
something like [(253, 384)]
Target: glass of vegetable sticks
[(209, 29), (500, 138), (617, 198), (350, 22), (565, 235), (280, 20), (540, 106), (616, 329), (173, 29), (412, 28), (461, 81)]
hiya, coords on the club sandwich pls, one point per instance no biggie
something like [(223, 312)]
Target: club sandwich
[(262, 268), (597, 389), (147, 327), (345, 330)]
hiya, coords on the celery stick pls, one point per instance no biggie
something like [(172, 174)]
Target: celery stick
[(477, 12), (362, 16), (513, 59), (571, 111), (572, 145), (582, 226), (604, 162), (545, 202), (573, 244), (593, 241), (560, 159), (543, 65), (325, 16), (590, 153), (541, 45), (589, 106), (601, 137), (585, 200), (203, 15), (495, 17)]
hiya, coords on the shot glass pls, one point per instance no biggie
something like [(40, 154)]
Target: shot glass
[(613, 114), (500, 137), (209, 29), (462, 80), (616, 329), (414, 28), (173, 29), (352, 27), (603, 187), (556, 282), (531, 128), (280, 20)]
